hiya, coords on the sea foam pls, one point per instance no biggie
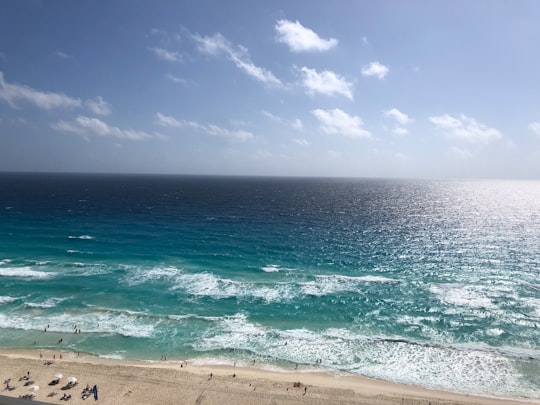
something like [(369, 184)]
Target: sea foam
[(462, 295), (24, 272), (6, 299)]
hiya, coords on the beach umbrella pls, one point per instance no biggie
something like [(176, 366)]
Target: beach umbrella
[(71, 379), (34, 388), (58, 375)]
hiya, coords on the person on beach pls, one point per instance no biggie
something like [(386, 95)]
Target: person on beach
[(95, 390)]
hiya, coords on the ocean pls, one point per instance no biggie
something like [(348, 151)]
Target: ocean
[(424, 282)]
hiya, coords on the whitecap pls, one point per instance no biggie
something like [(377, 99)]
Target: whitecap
[(193, 316), (38, 262), (207, 284), (494, 332), (24, 272), (139, 275), (335, 283), (48, 303), (231, 332), (111, 322), (271, 268), (112, 356), (83, 237), (462, 296), (6, 299)]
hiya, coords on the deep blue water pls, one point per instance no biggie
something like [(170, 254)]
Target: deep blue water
[(423, 282)]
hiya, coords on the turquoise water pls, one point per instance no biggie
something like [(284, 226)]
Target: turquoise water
[(432, 283)]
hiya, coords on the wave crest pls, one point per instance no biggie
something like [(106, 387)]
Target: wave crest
[(25, 272)]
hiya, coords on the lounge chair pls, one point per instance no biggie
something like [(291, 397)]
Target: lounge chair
[(69, 385)]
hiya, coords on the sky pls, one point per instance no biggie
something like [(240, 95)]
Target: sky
[(386, 88)]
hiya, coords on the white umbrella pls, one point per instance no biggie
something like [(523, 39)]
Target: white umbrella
[(71, 379), (34, 388), (58, 375)]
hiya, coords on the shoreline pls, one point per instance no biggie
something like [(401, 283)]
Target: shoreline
[(139, 381)]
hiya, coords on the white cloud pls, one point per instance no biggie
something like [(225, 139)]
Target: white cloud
[(465, 128), (92, 126), (227, 133), (400, 131), (301, 141), (338, 122), (375, 69), (535, 127), (12, 93), (218, 44), (99, 106), (296, 124), (211, 129), (63, 55), (167, 55), (326, 82), (177, 80), (300, 38), (271, 116), (167, 121), (397, 115), (445, 121)]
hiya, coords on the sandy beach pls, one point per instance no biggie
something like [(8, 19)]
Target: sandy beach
[(162, 382)]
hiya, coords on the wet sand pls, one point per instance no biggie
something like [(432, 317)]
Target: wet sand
[(163, 382)]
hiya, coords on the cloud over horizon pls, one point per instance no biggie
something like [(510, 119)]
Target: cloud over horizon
[(210, 129), (338, 122), (465, 128), (93, 126), (47, 100), (401, 119)]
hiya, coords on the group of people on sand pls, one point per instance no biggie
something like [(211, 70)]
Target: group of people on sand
[(86, 393), (25, 378), (89, 391), (27, 382)]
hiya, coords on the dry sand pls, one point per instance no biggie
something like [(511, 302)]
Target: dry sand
[(164, 382)]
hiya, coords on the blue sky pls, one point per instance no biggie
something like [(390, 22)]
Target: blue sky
[(303, 88)]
